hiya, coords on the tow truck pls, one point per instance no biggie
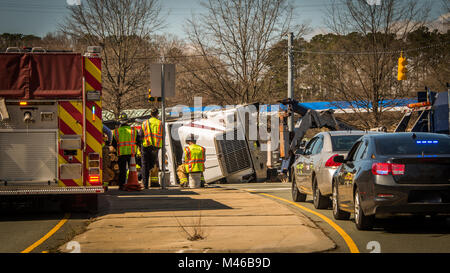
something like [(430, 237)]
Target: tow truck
[(309, 119), (432, 113)]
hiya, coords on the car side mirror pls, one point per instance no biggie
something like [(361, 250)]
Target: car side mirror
[(299, 151), (339, 159)]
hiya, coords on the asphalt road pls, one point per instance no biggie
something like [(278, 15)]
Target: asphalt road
[(37, 229), (400, 234), (26, 229)]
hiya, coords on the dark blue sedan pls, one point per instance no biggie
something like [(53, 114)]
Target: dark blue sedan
[(393, 173)]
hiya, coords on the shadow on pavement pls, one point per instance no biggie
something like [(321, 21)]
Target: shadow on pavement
[(414, 224), (31, 208), (115, 201)]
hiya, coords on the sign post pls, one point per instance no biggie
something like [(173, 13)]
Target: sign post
[(163, 85)]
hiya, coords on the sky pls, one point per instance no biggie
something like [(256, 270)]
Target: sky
[(39, 17)]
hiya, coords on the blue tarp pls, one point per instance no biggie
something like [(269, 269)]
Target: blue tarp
[(317, 105), (322, 105)]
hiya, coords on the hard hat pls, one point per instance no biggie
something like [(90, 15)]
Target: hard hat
[(123, 116), (191, 137), (154, 111)]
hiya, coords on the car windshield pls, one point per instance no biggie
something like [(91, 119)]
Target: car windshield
[(406, 145), (344, 142)]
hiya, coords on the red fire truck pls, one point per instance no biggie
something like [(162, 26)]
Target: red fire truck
[(51, 124)]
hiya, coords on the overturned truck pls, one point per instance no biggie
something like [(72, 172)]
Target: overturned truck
[(243, 143)]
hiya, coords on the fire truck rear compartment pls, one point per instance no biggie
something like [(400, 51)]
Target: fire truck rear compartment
[(28, 157)]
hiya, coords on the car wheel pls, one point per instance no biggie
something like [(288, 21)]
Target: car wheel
[(320, 201), (297, 196), (338, 214), (362, 221)]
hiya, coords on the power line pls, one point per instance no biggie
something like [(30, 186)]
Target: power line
[(369, 52)]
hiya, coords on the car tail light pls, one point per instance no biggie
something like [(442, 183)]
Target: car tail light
[(398, 169), (387, 168), (330, 162)]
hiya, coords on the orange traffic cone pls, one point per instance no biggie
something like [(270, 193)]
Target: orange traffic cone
[(132, 183)]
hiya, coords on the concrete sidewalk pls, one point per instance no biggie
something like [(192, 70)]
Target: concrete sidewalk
[(223, 220)]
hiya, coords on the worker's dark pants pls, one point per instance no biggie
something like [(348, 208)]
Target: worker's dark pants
[(124, 162), (149, 160)]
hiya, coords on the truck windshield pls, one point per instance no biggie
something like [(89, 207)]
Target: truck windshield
[(344, 142), (396, 145)]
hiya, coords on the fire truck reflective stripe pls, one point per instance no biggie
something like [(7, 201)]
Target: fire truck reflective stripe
[(92, 82), (93, 67), (94, 131), (76, 159), (69, 182), (70, 122), (92, 74), (66, 130), (94, 135)]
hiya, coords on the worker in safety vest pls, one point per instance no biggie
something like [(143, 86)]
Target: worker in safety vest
[(194, 161), (125, 140), (151, 135)]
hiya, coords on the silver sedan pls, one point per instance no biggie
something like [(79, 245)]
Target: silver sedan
[(314, 167)]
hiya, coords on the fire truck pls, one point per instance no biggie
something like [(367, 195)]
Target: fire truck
[(51, 125)]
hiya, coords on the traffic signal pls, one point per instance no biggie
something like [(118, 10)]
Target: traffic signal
[(152, 99), (401, 75)]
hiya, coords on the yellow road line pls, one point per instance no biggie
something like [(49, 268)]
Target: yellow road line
[(48, 235), (348, 240)]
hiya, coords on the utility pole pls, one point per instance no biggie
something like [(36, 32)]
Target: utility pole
[(163, 121), (290, 79)]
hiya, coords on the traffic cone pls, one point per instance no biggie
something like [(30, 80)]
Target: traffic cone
[(132, 183)]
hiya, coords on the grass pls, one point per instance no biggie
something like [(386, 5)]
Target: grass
[(196, 231)]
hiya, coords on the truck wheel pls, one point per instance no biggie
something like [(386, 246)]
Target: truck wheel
[(297, 196), (363, 222), (320, 201), (338, 214)]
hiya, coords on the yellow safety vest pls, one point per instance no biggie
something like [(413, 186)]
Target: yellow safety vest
[(194, 158), (126, 140), (152, 129)]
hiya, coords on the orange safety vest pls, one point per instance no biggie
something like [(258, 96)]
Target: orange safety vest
[(152, 129), (194, 158)]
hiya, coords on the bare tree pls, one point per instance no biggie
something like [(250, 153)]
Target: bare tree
[(372, 36), (232, 40), (123, 28)]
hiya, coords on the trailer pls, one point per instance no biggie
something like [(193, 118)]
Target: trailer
[(233, 154), (51, 125)]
